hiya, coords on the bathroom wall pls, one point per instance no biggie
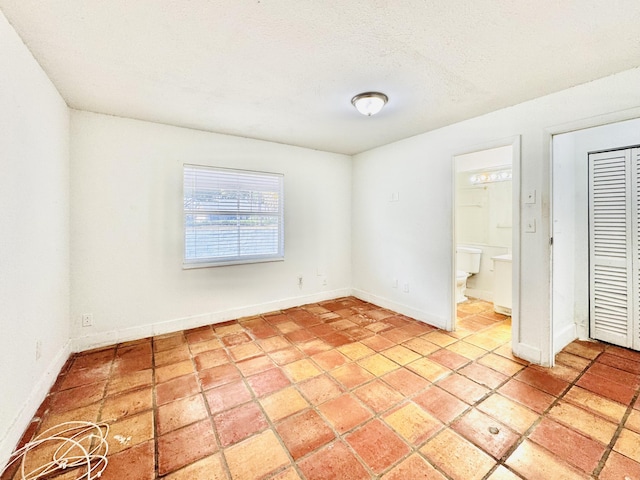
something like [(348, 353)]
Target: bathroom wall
[(484, 220)]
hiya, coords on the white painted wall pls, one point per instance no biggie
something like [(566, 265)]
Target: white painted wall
[(571, 223), (34, 236), (126, 229), (412, 239)]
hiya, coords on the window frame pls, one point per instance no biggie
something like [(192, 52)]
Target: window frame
[(236, 259)]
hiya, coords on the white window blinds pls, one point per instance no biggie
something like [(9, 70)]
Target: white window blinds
[(232, 216)]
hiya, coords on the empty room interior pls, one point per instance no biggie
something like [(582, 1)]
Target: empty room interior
[(292, 240)]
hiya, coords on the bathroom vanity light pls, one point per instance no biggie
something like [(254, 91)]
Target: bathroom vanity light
[(490, 177), (369, 103)]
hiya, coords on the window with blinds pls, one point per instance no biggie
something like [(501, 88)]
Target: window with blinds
[(232, 216)]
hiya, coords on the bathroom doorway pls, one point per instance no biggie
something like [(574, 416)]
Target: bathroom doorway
[(483, 237)]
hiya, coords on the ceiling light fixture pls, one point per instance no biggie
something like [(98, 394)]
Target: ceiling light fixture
[(369, 103)]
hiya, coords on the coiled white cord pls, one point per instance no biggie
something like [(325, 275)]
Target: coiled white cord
[(81, 443)]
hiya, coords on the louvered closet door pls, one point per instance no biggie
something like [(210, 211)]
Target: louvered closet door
[(613, 187)]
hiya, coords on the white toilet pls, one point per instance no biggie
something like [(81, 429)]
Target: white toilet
[(467, 263)]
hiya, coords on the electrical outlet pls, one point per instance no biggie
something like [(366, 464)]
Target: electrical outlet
[(38, 349), (300, 280), (87, 320), (405, 288)]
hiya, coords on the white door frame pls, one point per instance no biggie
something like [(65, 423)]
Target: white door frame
[(514, 142)]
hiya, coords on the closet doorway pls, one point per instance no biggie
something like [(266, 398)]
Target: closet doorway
[(575, 314)]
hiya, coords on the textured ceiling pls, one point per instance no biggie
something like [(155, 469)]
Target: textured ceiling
[(285, 70)]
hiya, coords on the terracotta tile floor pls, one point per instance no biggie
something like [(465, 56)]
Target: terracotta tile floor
[(346, 390)]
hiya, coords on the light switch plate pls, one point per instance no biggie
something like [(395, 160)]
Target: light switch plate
[(530, 226)]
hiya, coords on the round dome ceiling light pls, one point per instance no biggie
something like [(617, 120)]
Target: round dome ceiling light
[(369, 103)]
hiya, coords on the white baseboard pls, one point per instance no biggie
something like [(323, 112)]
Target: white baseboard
[(528, 353), (30, 407), (485, 295), (112, 337), (400, 308), (564, 337)]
